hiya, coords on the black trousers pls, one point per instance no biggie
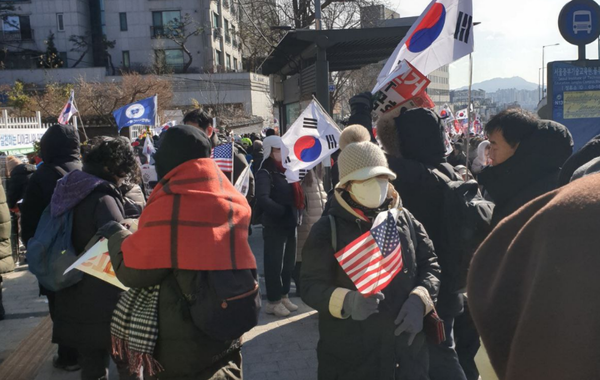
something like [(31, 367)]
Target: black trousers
[(66, 355), (279, 260)]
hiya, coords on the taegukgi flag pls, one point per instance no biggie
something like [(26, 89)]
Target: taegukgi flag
[(441, 35), (68, 110), (142, 112), (313, 137)]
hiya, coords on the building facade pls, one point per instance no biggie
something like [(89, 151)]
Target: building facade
[(138, 35), (439, 88)]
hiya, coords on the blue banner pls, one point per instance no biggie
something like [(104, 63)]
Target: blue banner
[(142, 112)]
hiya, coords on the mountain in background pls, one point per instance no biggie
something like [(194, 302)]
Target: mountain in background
[(493, 85)]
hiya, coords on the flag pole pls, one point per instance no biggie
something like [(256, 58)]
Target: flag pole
[(469, 108), (232, 159), (81, 121)]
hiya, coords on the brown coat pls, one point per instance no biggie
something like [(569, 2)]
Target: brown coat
[(316, 199), (534, 284)]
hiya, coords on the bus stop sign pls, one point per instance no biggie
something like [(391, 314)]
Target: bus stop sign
[(579, 22)]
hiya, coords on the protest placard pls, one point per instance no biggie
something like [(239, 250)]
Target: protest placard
[(96, 262), (406, 88)]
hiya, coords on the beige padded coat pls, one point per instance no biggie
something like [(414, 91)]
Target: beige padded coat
[(316, 198)]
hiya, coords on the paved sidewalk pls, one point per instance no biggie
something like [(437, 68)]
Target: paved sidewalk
[(275, 349)]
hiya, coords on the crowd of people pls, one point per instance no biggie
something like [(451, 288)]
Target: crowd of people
[(183, 250)]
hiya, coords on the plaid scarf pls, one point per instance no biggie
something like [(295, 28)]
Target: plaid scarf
[(195, 219), (134, 329)]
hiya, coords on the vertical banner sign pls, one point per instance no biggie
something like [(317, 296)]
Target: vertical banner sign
[(409, 84)]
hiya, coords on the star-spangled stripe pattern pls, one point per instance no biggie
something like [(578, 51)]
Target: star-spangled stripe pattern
[(375, 258), (223, 156)]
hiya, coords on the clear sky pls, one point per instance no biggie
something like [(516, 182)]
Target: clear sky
[(509, 40)]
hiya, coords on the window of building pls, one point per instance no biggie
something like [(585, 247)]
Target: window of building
[(160, 21), (215, 20), (235, 64), (172, 58), (228, 62), (123, 21), (60, 22), (126, 61), (218, 58), (16, 28)]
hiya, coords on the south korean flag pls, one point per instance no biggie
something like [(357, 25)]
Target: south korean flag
[(313, 137)]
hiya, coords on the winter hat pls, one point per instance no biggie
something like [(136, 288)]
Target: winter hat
[(11, 163), (387, 134), (421, 135), (268, 144), (361, 160), (257, 145), (353, 134), (180, 144)]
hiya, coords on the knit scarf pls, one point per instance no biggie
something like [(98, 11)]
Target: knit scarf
[(134, 329), (195, 219)]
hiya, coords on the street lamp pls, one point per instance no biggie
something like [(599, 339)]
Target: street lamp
[(544, 67), (539, 84)]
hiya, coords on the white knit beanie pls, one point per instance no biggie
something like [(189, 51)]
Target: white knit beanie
[(362, 160)]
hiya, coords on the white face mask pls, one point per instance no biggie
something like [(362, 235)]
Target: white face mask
[(371, 193)]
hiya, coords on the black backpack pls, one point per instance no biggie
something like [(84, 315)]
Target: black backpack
[(466, 221), (225, 303)]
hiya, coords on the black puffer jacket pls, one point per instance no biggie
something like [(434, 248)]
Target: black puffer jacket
[(584, 155), (275, 197), (358, 350), (17, 183), (532, 171), (83, 311), (59, 147)]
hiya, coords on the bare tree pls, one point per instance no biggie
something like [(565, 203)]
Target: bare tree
[(81, 44), (108, 45), (180, 31)]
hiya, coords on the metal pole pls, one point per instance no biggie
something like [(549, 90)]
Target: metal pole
[(543, 92), (540, 84), (318, 14), (469, 110)]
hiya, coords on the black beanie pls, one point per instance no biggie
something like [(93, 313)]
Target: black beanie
[(180, 144), (421, 136)]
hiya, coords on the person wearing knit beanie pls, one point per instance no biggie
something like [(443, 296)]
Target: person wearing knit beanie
[(383, 326)]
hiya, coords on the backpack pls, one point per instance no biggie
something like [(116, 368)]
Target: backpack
[(50, 251), (466, 219), (226, 303)]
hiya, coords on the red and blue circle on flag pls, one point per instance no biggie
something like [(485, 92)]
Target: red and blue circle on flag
[(308, 148), (428, 30)]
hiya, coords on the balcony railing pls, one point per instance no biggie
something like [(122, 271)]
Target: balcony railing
[(16, 35), (162, 32)]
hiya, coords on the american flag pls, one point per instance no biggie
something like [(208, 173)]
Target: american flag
[(223, 156), (374, 259)]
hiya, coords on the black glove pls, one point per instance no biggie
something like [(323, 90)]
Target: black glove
[(361, 102), (359, 307), (411, 317), (109, 229)]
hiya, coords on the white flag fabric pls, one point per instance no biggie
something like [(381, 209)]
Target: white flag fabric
[(148, 146), (313, 137), (243, 182), (442, 35), (68, 110)]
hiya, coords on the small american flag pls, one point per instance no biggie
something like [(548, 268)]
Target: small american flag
[(223, 156), (374, 259)]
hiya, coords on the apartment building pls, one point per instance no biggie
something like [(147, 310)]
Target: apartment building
[(439, 88), (127, 34)]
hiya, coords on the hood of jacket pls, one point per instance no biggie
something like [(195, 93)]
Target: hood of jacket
[(544, 152), (72, 189), (60, 144), (23, 169), (421, 136), (584, 155), (481, 150)]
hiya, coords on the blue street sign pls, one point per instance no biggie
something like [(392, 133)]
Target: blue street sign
[(574, 97), (579, 22)]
